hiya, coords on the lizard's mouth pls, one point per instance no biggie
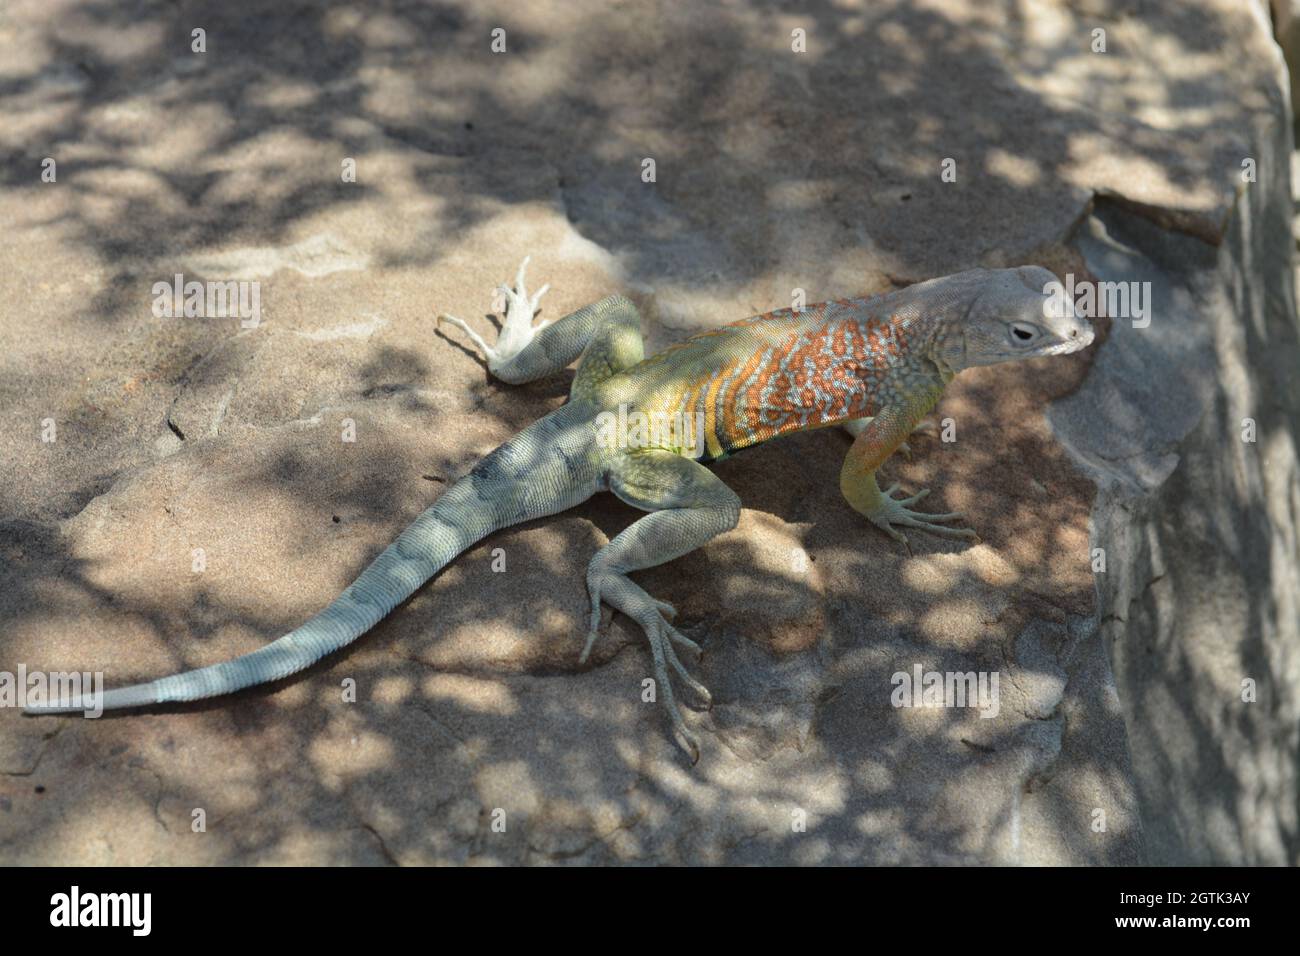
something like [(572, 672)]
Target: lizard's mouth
[(1079, 339)]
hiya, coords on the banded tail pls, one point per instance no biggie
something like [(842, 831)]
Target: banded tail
[(537, 473)]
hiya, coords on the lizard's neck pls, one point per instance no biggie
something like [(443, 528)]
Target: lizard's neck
[(946, 350)]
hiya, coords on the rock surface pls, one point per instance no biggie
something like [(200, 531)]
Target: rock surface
[(1121, 735)]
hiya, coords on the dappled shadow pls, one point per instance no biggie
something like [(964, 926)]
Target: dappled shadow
[(470, 698)]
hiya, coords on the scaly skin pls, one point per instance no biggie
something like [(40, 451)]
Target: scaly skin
[(876, 366)]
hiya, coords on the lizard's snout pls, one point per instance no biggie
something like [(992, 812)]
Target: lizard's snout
[(1080, 336)]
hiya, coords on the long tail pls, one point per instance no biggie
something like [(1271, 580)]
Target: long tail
[(531, 476)]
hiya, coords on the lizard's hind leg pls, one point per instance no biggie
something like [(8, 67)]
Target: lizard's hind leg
[(608, 330), (615, 344), (689, 505)]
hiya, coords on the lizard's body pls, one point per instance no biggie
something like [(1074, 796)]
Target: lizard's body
[(876, 365), (772, 374)]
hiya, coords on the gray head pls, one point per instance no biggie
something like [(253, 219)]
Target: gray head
[(1010, 314)]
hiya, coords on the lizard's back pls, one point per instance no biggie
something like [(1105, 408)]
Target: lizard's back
[(761, 377)]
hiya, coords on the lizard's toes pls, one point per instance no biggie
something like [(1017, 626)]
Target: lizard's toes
[(913, 499), (895, 511), (519, 276)]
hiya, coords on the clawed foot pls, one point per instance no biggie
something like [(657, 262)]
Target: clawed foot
[(621, 592), (895, 511), (517, 329)]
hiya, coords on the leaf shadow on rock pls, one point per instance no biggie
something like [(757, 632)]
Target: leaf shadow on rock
[(290, 772)]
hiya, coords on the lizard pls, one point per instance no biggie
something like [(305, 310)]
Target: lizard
[(875, 365)]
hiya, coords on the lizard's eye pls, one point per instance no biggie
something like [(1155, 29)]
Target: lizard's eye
[(1023, 332)]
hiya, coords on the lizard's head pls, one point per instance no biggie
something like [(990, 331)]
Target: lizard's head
[(1014, 314)]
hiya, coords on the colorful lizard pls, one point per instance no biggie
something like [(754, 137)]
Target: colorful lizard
[(874, 365)]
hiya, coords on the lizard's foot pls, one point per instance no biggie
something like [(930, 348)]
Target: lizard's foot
[(895, 511), (627, 596), (517, 329)]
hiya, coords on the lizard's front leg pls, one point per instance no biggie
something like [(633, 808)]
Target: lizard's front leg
[(690, 505), (856, 426), (874, 443)]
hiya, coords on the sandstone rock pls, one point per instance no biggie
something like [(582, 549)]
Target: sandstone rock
[(1120, 692)]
